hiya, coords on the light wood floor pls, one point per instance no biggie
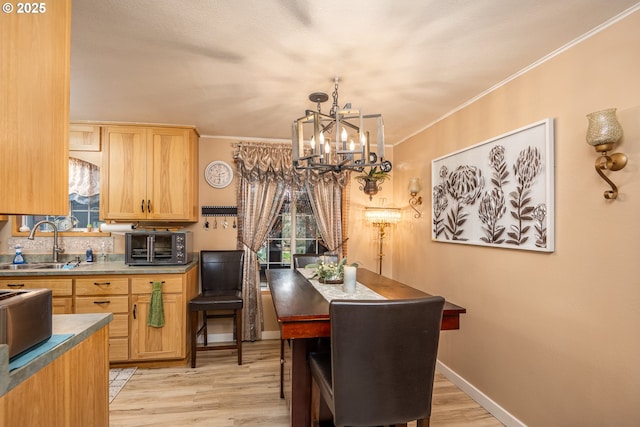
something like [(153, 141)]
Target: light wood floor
[(219, 393)]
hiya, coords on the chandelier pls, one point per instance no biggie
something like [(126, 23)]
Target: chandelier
[(340, 140)]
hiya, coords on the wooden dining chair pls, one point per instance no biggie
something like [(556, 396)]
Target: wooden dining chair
[(221, 297), (381, 366)]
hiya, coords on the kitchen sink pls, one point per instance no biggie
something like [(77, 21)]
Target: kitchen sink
[(35, 266)]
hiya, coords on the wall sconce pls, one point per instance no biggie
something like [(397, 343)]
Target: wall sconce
[(381, 218), (603, 132), (414, 189)]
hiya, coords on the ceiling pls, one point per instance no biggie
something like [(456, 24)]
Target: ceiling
[(245, 68)]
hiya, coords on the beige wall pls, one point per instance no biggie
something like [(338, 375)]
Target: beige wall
[(552, 338), (219, 238)]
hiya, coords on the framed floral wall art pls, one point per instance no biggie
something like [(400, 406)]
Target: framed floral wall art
[(499, 192)]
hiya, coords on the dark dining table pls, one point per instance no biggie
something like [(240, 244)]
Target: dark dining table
[(303, 317)]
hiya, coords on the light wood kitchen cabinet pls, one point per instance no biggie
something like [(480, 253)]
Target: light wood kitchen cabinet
[(61, 290), (127, 297), (34, 112), (149, 173), (102, 294), (72, 390), (169, 341), (84, 137)]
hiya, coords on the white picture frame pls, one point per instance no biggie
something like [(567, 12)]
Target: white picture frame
[(497, 193)]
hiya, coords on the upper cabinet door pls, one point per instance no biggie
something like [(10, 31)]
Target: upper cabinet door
[(123, 176), (149, 173), (172, 174), (34, 109)]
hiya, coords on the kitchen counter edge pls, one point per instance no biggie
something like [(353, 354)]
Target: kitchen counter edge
[(81, 325), (109, 267)]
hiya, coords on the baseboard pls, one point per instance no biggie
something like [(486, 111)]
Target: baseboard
[(228, 337), (483, 400), (270, 335)]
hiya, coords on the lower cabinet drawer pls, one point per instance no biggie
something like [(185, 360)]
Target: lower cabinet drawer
[(102, 285), (104, 304), (62, 305), (171, 283), (59, 287), (119, 326), (118, 349)]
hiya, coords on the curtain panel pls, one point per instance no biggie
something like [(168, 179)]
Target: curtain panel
[(265, 172)]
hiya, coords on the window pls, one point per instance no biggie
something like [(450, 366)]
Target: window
[(84, 200), (295, 231), (80, 215)]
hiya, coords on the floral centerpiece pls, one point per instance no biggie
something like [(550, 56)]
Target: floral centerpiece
[(329, 272)]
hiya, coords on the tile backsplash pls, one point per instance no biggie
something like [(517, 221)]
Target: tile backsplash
[(71, 245)]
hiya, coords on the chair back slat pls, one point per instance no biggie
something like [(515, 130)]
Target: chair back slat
[(221, 271)]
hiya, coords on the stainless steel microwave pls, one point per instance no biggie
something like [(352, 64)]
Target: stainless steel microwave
[(158, 248)]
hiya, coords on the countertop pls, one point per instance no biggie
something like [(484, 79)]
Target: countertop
[(81, 325), (103, 267)]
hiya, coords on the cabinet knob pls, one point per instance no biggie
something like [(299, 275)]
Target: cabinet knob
[(142, 206)]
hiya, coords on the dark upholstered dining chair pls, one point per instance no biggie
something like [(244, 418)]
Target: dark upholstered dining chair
[(380, 369), (221, 277), (302, 260)]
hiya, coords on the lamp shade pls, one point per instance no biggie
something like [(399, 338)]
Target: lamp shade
[(382, 215), (604, 127), (414, 185)]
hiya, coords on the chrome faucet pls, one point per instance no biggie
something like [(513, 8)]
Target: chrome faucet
[(56, 249)]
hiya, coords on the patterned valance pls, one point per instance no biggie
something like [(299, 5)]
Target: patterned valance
[(84, 180), (259, 161)]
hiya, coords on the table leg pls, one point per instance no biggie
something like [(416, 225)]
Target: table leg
[(300, 383)]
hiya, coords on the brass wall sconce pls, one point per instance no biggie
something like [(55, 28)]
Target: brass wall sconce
[(603, 133), (414, 189)]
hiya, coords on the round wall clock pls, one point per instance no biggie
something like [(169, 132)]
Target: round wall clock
[(218, 174)]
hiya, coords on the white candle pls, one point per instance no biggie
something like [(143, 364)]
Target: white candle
[(349, 281)]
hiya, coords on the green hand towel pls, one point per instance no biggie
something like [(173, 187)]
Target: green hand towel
[(156, 308)]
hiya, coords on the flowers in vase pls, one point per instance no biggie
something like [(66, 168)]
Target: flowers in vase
[(329, 272)]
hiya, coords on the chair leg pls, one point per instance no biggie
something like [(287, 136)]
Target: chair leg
[(239, 334), (281, 368), (204, 325), (194, 336), (424, 422)]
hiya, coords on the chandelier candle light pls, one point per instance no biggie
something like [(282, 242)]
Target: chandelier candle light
[(340, 140)]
